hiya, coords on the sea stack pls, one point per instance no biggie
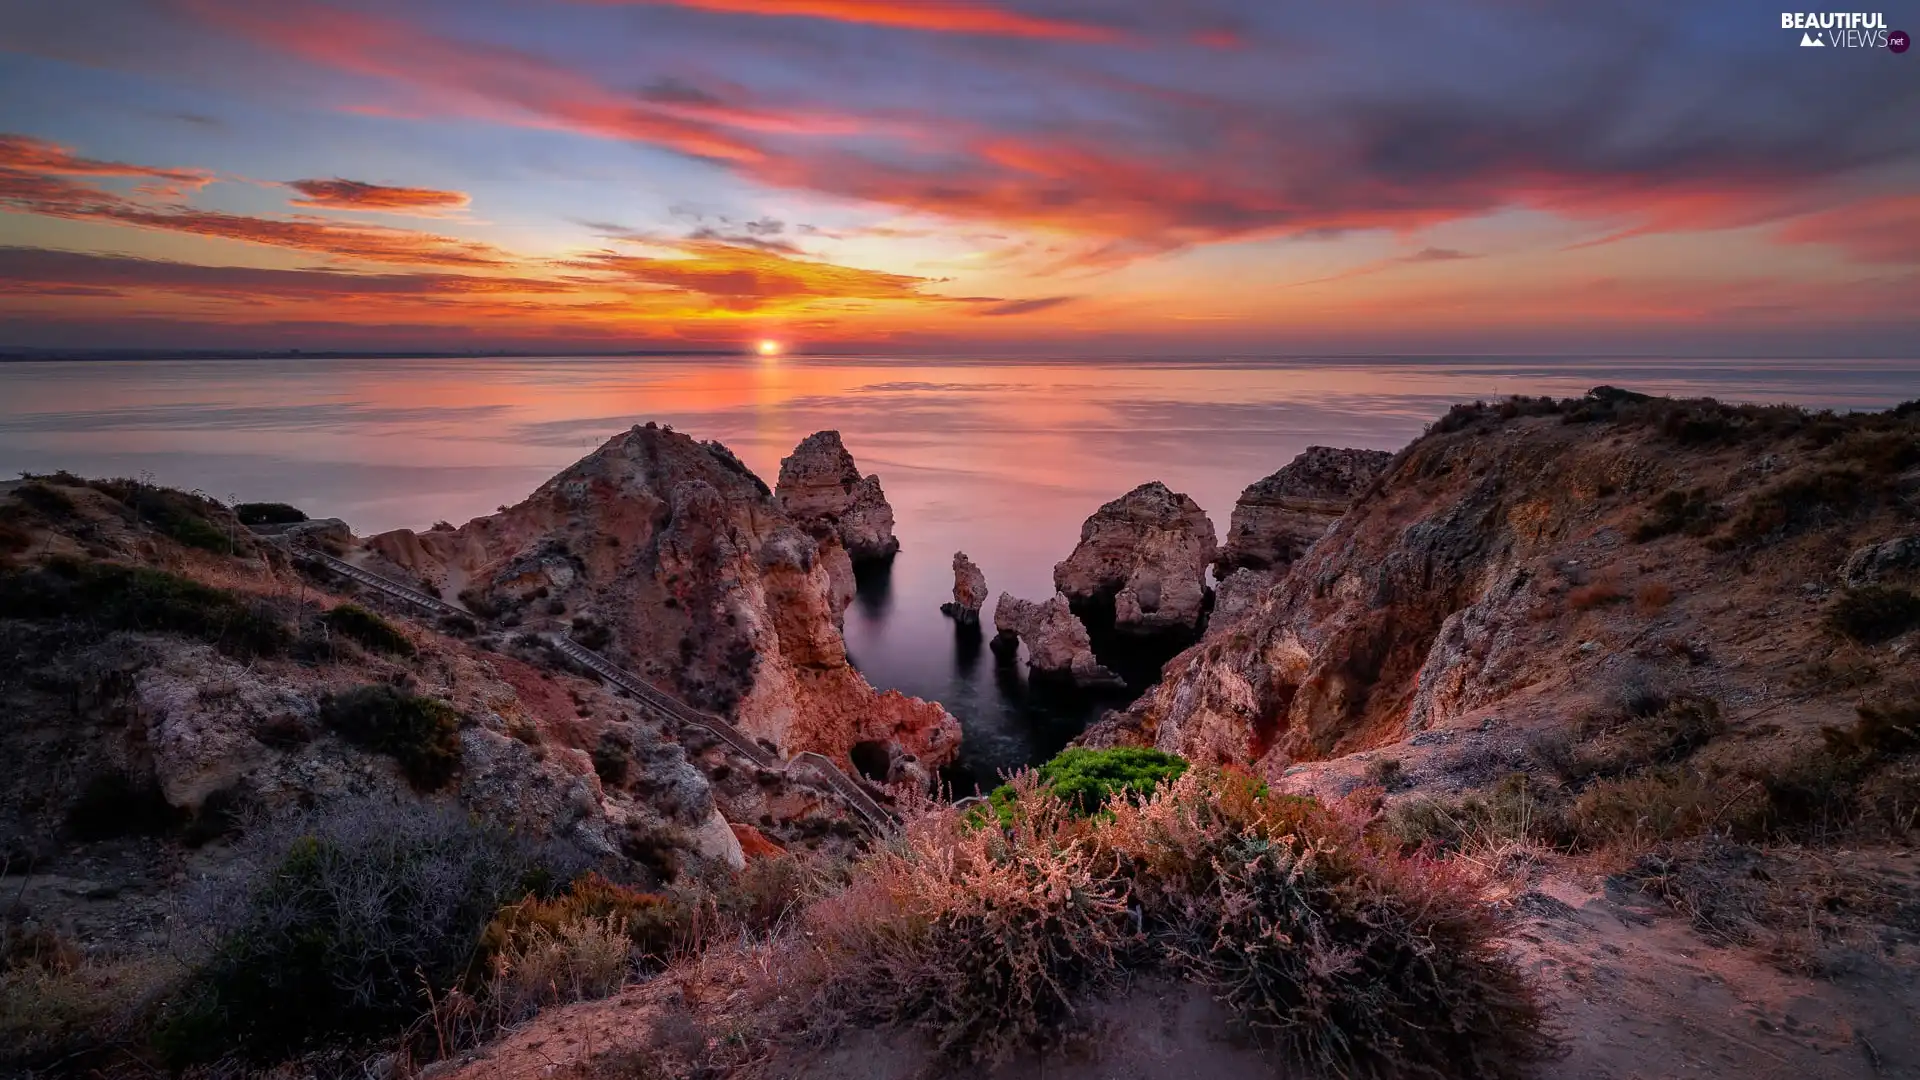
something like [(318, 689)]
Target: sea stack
[(1278, 518), (821, 488), (1141, 565), (1058, 647), (969, 591)]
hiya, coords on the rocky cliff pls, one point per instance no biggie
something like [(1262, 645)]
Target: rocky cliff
[(161, 687), (821, 488), (1540, 552), (1280, 516), (1142, 563), (670, 556)]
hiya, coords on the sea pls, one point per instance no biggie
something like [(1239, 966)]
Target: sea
[(1001, 458)]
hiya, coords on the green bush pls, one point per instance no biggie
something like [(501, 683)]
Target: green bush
[(108, 597), (340, 926), (368, 629), (268, 513), (1874, 614), (422, 734), (1087, 780)]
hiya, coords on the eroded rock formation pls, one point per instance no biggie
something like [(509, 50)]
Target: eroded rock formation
[(1523, 556), (671, 557), (969, 591), (1278, 518), (1142, 558), (821, 488), (1057, 643)]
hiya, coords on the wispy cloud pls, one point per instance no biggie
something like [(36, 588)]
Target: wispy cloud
[(937, 16), (338, 194)]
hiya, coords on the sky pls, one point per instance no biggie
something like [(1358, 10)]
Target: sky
[(945, 176)]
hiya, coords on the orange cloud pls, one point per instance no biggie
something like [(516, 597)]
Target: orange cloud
[(939, 16), (35, 178), (739, 278), (338, 194), (26, 154)]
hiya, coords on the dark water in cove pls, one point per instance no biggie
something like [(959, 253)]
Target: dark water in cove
[(1001, 459)]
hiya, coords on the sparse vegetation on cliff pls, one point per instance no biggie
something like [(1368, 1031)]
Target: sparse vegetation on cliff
[(347, 920), (363, 626), (1344, 958), (422, 734), (99, 598)]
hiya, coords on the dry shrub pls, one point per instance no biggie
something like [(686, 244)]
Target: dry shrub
[(1798, 905), (980, 937), (1352, 961), (1801, 502), (1652, 596), (1514, 811), (578, 960), (1656, 730), (1874, 614), (1653, 806), (654, 924), (78, 1013), (1600, 592)]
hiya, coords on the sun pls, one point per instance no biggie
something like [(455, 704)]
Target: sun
[(768, 347)]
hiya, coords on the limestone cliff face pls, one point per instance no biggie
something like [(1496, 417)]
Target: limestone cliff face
[(1279, 517), (821, 488), (671, 557), (1527, 552), (1144, 556)]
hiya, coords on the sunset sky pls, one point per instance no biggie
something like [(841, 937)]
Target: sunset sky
[(1016, 175)]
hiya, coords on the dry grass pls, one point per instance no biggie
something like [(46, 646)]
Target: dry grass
[(1803, 908), (1652, 596), (1349, 960), (1598, 593)]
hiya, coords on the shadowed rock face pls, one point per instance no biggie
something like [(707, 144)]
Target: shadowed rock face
[(822, 490), (1057, 643), (1278, 518), (1144, 556), (680, 558), (969, 591)]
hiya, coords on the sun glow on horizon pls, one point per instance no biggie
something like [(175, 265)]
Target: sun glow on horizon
[(769, 347)]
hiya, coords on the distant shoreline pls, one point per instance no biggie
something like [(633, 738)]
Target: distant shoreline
[(33, 356)]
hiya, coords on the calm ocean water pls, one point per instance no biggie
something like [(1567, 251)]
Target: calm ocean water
[(1001, 459)]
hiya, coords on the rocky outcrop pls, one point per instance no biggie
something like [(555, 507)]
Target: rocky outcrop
[(1517, 563), (1142, 558), (676, 561), (821, 488), (1278, 518), (969, 591), (1057, 643), (1889, 560)]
